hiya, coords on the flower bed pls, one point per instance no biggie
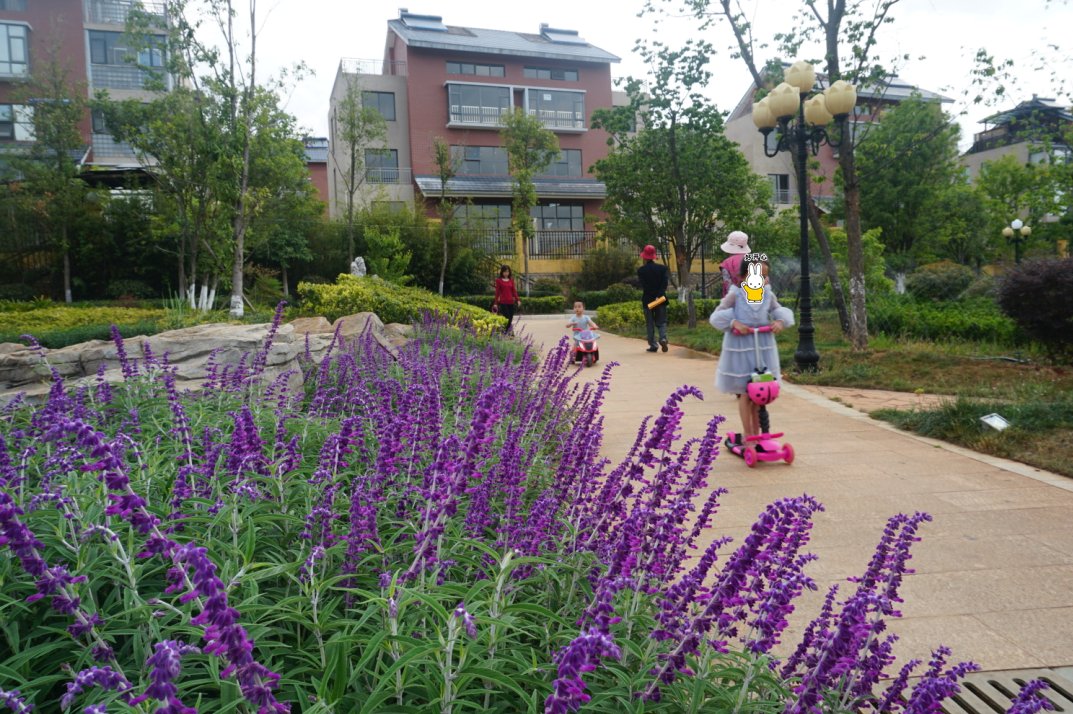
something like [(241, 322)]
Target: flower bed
[(432, 533)]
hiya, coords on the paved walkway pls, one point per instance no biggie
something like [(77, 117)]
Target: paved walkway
[(994, 574)]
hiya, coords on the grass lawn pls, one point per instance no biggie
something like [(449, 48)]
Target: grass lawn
[(1037, 398)]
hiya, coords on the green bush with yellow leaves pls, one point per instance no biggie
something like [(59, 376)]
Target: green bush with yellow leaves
[(629, 314), (391, 303)]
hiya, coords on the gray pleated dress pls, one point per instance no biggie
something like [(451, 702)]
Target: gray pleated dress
[(737, 361)]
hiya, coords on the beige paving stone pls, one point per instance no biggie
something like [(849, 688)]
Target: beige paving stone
[(1047, 633), (967, 637), (993, 565)]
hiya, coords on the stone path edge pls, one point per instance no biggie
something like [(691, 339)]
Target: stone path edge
[(1048, 477)]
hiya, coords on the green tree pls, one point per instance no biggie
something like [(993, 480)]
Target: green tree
[(907, 164), (530, 149), (445, 166), (848, 33), (49, 169), (679, 179), (357, 128), (1015, 189)]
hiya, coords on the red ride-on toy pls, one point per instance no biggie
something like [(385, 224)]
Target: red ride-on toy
[(763, 389), (586, 350)]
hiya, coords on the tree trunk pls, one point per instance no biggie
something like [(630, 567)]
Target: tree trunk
[(831, 267), (858, 316), (66, 270), (443, 263), (283, 275)]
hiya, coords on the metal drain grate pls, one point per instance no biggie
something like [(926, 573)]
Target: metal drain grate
[(993, 692)]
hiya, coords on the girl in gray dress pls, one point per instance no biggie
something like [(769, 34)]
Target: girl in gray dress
[(736, 313)]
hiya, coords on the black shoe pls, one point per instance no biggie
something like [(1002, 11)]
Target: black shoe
[(663, 345), (653, 348)]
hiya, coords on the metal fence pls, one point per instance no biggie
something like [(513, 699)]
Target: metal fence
[(499, 242), (105, 147), (388, 175), (562, 244)]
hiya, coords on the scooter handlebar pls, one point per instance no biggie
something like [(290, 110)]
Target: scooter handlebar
[(762, 328)]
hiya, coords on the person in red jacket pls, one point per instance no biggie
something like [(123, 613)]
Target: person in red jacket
[(507, 299)]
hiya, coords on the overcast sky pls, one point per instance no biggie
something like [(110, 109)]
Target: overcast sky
[(941, 37)]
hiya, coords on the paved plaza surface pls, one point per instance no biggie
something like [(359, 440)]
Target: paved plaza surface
[(994, 576)]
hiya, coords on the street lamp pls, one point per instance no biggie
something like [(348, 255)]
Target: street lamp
[(779, 108), (1017, 233)]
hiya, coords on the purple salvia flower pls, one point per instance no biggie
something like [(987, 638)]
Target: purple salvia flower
[(165, 666), (460, 614), (582, 655), (15, 701), (103, 677), (129, 369), (261, 359), (1031, 700), (224, 637)]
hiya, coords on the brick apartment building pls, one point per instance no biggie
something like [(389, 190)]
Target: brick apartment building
[(454, 83), (86, 38)]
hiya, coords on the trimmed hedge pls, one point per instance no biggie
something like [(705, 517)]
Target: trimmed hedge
[(533, 305), (944, 280), (595, 299), (967, 319), (629, 314), (390, 302), (50, 319)]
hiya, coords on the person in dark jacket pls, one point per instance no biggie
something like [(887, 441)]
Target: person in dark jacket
[(654, 278)]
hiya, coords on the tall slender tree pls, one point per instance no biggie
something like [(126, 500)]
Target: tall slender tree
[(356, 128), (531, 148), (445, 166)]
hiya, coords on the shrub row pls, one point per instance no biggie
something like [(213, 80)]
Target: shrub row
[(544, 305), (619, 292), (391, 302), (966, 319), (64, 337), (630, 314)]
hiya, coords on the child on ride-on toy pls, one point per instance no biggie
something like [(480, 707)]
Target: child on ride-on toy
[(580, 322), (749, 304)]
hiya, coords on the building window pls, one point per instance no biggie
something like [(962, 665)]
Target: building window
[(780, 187), (99, 125), (565, 75), (480, 160), (16, 122), (557, 109), (483, 216), (568, 165), (382, 165), (109, 48), (392, 207), (383, 102), (13, 5), (477, 70), (559, 217), (14, 52), (477, 103)]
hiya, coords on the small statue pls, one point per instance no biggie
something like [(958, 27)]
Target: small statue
[(357, 268)]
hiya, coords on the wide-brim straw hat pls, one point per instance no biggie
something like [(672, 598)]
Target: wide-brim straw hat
[(737, 242)]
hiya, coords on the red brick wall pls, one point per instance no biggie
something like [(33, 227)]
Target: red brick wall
[(429, 112), (318, 174), (55, 30)]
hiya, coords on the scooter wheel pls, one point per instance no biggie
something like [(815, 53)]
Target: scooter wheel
[(787, 453), (750, 457), (588, 359)]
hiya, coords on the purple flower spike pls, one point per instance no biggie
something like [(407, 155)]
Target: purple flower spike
[(165, 666), (15, 702), (580, 656), (103, 677), (1030, 699), (467, 619)]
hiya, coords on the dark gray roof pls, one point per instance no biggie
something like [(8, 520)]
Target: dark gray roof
[(1037, 106), (500, 187), (500, 42)]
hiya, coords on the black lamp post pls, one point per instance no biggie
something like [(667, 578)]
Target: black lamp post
[(1017, 233), (800, 133)]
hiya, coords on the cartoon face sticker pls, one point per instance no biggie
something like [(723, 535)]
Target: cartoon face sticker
[(754, 283)]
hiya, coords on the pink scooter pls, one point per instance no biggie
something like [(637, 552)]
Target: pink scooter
[(763, 389)]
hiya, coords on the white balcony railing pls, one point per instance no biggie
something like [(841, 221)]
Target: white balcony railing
[(116, 12), (486, 116), (105, 147), (388, 175), (371, 66), (553, 119), (112, 76)]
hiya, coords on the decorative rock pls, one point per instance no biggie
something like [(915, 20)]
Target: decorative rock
[(357, 268), (311, 325)]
